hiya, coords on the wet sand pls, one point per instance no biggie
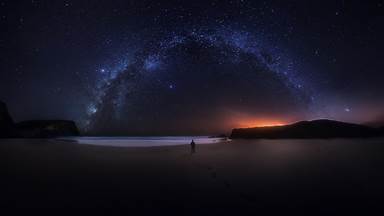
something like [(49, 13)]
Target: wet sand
[(238, 177)]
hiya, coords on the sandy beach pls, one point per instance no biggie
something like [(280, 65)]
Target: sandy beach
[(237, 177)]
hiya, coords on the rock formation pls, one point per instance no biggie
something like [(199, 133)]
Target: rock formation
[(34, 128), (6, 122), (322, 128), (46, 128)]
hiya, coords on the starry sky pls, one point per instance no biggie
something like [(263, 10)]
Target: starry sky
[(191, 67)]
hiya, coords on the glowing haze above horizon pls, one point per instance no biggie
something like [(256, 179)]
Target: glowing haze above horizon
[(197, 67)]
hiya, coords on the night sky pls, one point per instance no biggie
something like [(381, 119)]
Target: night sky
[(191, 67)]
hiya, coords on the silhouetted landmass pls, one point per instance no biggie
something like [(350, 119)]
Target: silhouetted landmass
[(46, 128), (34, 128), (381, 130), (6, 122), (322, 128)]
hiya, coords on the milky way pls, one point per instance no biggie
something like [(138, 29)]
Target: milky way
[(194, 74), (127, 67)]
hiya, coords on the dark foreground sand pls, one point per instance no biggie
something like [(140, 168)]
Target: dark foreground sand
[(235, 178)]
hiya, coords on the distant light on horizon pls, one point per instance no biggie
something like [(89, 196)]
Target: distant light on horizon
[(262, 123)]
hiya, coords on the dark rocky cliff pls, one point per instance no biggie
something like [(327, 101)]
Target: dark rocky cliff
[(308, 129), (6, 122), (34, 128), (46, 128)]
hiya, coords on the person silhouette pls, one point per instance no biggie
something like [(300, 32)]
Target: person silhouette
[(193, 147)]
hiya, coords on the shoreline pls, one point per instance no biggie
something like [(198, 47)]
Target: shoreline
[(143, 141), (244, 176)]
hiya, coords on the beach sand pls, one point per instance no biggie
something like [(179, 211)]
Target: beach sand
[(233, 178)]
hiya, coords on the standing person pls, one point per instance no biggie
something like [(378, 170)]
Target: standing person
[(193, 147)]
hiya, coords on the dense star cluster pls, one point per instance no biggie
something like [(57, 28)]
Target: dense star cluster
[(191, 67)]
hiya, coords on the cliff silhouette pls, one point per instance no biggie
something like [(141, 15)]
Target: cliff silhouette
[(322, 128), (34, 128), (7, 126)]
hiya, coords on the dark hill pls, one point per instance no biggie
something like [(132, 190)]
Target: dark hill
[(34, 128), (322, 128), (46, 128), (6, 122)]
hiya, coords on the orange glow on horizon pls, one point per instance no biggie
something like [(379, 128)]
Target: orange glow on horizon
[(261, 123), (246, 120)]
